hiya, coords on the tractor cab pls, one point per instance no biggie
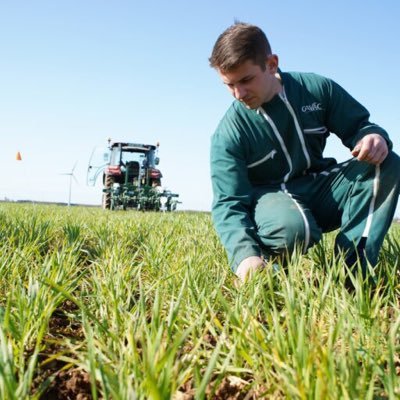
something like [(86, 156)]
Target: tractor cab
[(126, 162), (132, 163)]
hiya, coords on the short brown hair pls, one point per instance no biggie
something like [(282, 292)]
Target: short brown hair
[(239, 43)]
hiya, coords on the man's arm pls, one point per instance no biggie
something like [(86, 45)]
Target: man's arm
[(349, 120), (233, 197)]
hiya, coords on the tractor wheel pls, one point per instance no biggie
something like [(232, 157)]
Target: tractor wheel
[(106, 201), (108, 182)]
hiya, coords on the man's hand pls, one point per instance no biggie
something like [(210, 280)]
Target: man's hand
[(249, 266), (371, 148)]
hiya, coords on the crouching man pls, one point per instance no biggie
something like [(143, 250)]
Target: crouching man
[(273, 189)]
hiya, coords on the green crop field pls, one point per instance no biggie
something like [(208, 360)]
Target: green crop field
[(127, 305)]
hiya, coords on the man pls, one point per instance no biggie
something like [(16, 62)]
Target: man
[(274, 191)]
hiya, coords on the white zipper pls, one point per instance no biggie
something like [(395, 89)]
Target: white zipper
[(281, 142), (271, 155), (282, 95), (289, 160)]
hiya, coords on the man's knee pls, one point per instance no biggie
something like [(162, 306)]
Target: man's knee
[(289, 233)]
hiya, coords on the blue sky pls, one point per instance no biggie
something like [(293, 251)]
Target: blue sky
[(74, 73)]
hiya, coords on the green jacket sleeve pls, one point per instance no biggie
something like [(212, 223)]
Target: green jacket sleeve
[(231, 208), (348, 119)]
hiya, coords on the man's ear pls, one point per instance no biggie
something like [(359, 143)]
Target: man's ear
[(272, 63)]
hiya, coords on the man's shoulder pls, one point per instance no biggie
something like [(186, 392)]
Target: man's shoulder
[(223, 131), (234, 126), (235, 115), (309, 80), (236, 110)]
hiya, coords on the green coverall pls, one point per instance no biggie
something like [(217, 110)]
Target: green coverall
[(274, 190)]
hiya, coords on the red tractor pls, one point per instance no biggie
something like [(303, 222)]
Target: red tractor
[(130, 177)]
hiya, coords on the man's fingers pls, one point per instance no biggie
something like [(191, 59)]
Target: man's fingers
[(372, 149), (246, 273), (356, 151), (248, 267), (375, 156)]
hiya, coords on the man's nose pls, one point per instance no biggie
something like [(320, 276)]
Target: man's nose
[(239, 92)]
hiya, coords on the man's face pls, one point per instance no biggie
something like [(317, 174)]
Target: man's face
[(251, 85)]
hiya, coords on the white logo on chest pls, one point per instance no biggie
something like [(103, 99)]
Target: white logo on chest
[(312, 107)]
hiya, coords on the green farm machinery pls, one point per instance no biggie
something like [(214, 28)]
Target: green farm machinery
[(131, 178)]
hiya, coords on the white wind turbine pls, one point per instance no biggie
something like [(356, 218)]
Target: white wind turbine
[(71, 176)]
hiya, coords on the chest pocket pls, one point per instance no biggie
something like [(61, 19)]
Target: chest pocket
[(316, 131), (316, 139), (264, 170), (268, 156)]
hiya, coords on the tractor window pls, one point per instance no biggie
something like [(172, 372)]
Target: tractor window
[(129, 157), (115, 156), (145, 160)]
